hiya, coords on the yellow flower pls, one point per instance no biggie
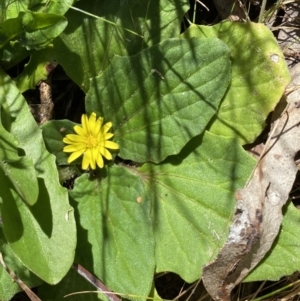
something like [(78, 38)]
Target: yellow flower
[(91, 140)]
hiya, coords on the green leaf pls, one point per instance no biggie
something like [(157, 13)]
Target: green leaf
[(8, 287), (92, 43), (283, 259), (19, 170), (53, 132), (161, 97), (32, 30), (193, 200), (40, 65), (115, 239), (259, 77), (42, 236)]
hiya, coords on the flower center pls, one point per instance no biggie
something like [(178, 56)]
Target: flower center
[(91, 142)]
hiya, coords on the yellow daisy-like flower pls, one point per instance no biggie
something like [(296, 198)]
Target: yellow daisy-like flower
[(92, 140)]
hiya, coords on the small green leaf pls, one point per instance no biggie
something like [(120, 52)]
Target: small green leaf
[(32, 30), (115, 239), (40, 65), (53, 132), (259, 77), (161, 97)]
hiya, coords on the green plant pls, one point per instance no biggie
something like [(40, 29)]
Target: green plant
[(181, 108)]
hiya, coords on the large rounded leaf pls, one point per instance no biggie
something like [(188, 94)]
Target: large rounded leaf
[(161, 97)]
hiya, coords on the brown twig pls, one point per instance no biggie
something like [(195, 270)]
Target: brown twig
[(95, 282)]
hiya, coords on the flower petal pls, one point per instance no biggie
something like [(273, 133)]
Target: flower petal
[(75, 155), (108, 136), (86, 161), (72, 138), (106, 127), (101, 121), (95, 154), (105, 153), (80, 131), (92, 123), (97, 127), (84, 122), (74, 148), (111, 145), (100, 162)]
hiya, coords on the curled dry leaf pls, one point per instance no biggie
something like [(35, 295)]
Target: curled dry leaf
[(258, 213)]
